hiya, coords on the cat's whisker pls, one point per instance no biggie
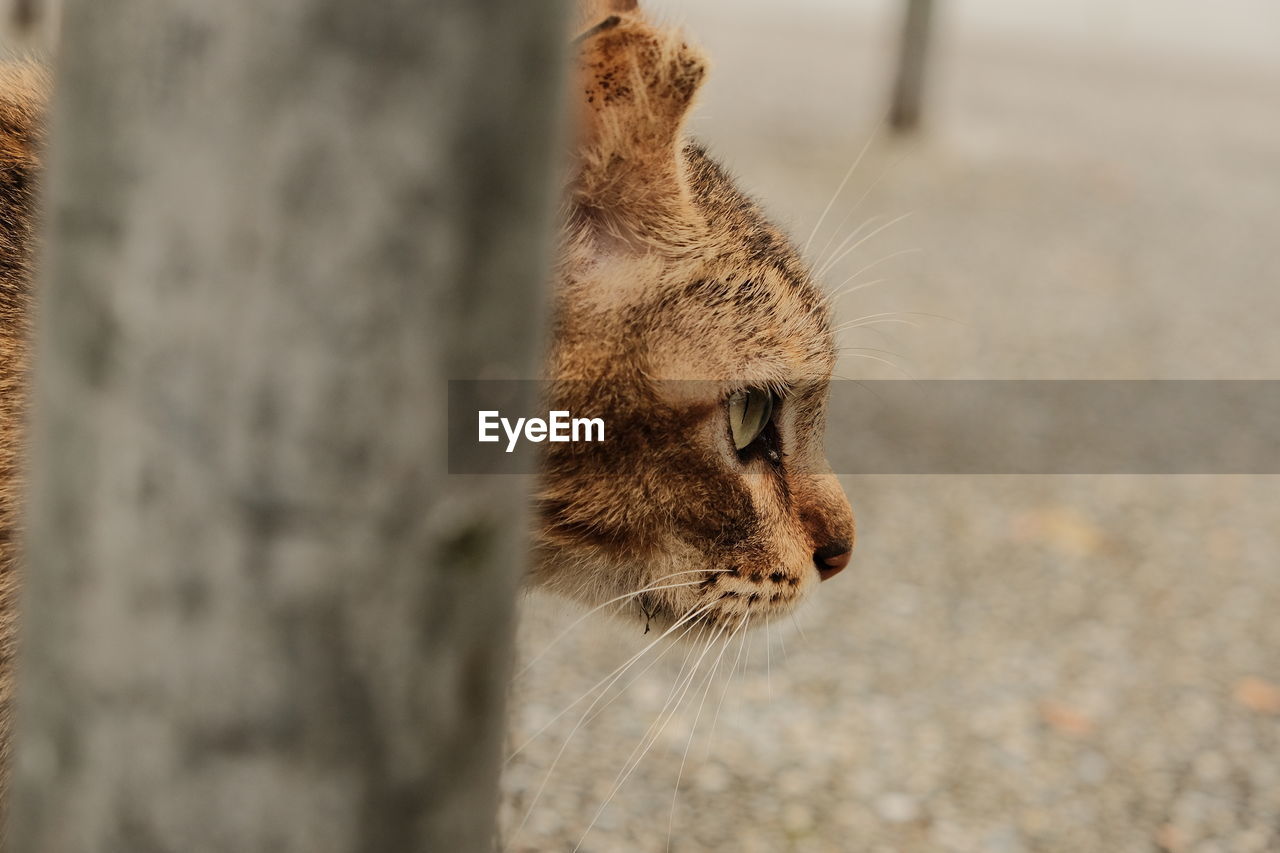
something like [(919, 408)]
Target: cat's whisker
[(847, 287), (641, 673), (822, 263), (911, 251), (693, 728), (821, 266), (796, 622), (843, 350), (828, 303), (842, 252), (617, 673), (893, 164), (768, 658), (839, 189), (884, 361), (873, 328), (742, 644), (841, 327), (687, 618), (854, 324), (650, 737), (614, 600), (865, 322), (842, 291), (889, 318)]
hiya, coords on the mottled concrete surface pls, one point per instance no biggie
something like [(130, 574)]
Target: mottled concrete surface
[(1071, 663)]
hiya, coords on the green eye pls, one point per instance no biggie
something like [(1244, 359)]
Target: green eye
[(749, 414)]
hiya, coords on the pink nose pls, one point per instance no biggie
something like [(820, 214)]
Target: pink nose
[(831, 559)]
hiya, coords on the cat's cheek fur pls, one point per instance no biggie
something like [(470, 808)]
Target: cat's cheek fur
[(770, 572), (730, 544)]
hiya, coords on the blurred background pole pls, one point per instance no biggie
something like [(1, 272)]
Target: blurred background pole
[(909, 82), (260, 615)]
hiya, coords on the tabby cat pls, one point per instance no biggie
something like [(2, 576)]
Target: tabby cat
[(694, 324), (679, 309)]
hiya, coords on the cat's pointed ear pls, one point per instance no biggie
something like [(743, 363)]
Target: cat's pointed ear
[(635, 86)]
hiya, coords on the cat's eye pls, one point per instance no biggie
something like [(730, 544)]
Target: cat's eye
[(749, 414)]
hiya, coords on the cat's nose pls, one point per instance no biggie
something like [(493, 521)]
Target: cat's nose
[(830, 559)]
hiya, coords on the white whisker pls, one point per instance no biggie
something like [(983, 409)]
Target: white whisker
[(633, 760), (893, 164), (743, 629), (864, 317), (870, 222), (842, 252), (768, 658), (870, 349), (617, 672), (847, 175), (884, 361), (687, 618), (637, 676), (841, 292), (796, 622), (896, 317), (693, 728), (856, 324), (880, 261), (615, 600)]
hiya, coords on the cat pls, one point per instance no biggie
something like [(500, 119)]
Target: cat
[(713, 502), (692, 323)]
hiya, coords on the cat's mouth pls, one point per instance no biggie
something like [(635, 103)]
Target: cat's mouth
[(723, 600)]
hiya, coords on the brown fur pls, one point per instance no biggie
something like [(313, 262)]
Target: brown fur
[(22, 98), (674, 290)]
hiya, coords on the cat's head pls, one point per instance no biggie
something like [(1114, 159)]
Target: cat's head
[(691, 325)]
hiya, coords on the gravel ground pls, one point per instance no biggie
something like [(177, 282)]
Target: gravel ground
[(1079, 663)]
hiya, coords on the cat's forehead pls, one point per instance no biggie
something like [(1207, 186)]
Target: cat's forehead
[(742, 327), (729, 300), (743, 300)]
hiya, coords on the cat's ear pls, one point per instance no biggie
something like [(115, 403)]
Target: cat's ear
[(635, 85)]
